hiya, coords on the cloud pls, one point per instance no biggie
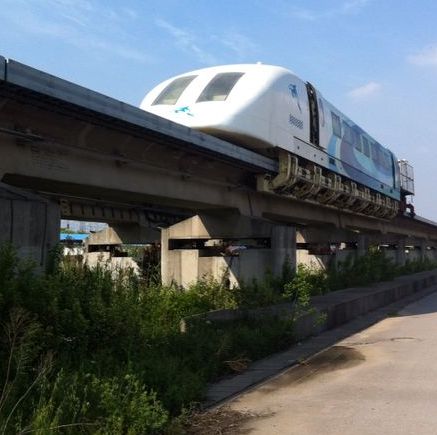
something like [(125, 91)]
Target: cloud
[(77, 12), (305, 14), (120, 50), (425, 57), (238, 43), (348, 7), (235, 43), (76, 22), (354, 6), (366, 91), (187, 41), (131, 13)]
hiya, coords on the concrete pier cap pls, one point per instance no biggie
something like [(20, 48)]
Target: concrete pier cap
[(229, 248)]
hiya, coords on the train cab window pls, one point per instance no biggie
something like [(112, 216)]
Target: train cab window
[(171, 93), (336, 124), (366, 146), (219, 87)]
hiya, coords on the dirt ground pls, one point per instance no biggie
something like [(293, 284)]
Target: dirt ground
[(219, 421)]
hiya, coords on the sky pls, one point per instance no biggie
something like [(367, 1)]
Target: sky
[(376, 60)]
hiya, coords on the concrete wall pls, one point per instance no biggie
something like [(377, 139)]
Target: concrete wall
[(31, 223), (330, 310)]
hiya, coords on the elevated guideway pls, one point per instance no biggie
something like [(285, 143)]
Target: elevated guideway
[(95, 157)]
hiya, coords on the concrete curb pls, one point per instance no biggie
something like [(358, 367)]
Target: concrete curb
[(349, 305)]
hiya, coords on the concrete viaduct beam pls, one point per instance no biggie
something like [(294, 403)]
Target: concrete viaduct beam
[(54, 169)]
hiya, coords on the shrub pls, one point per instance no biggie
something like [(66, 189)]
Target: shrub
[(121, 364), (367, 269), (90, 404), (84, 351)]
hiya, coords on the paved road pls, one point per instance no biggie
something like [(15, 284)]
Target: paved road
[(382, 380)]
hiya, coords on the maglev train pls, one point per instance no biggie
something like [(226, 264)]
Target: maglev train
[(267, 108)]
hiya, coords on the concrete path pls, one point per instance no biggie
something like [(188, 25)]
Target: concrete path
[(272, 365), (382, 380)]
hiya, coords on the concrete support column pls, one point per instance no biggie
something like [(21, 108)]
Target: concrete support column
[(362, 245), (423, 250), (283, 245), (400, 257), (167, 259), (228, 248), (29, 222)]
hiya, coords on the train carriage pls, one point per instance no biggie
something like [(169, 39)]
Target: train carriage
[(324, 156)]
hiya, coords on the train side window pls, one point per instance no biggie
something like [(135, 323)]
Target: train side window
[(356, 140), (387, 159), (377, 154), (366, 146), (219, 87), (348, 134), (336, 124), (374, 149), (171, 93), (382, 156)]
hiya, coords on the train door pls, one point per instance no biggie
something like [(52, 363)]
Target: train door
[(314, 114)]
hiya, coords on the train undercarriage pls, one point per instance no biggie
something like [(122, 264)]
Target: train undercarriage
[(308, 181)]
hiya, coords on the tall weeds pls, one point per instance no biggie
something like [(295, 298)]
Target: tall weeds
[(84, 351)]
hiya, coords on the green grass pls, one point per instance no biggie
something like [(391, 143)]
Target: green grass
[(84, 352)]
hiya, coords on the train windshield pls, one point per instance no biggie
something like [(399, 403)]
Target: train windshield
[(171, 93), (219, 87)]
